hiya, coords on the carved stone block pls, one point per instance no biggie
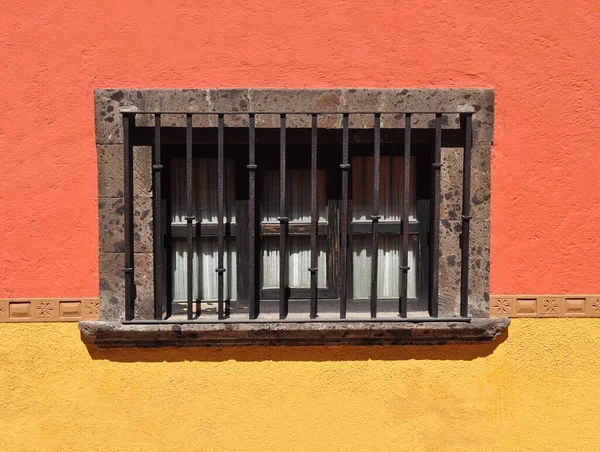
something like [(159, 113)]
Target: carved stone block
[(110, 171), (450, 268), (111, 223), (452, 182), (112, 285)]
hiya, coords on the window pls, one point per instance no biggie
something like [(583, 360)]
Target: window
[(375, 221), (298, 189), (260, 248), (391, 193), (205, 253)]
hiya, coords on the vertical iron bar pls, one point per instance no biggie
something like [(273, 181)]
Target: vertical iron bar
[(253, 299), (157, 168), (220, 210), (405, 211), (128, 217), (435, 232), (283, 222), (466, 217), (313, 219), (190, 216), (375, 216), (345, 167)]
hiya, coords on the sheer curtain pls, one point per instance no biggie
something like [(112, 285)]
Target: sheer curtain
[(298, 196), (391, 195), (298, 192), (389, 259), (204, 199), (391, 188), (205, 210), (205, 263)]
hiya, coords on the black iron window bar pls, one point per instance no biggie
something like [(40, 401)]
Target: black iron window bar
[(128, 118)]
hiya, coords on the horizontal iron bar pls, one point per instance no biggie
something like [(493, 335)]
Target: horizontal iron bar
[(302, 229), (293, 228), (203, 230), (385, 227), (366, 320), (307, 113), (142, 135)]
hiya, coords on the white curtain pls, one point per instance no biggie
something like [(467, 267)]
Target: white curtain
[(391, 188), (298, 191), (298, 263), (298, 202), (204, 199), (388, 270), (205, 210), (204, 265), (391, 195), (298, 196)]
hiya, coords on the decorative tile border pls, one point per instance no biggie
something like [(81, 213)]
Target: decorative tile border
[(545, 306), (49, 309), (75, 309)]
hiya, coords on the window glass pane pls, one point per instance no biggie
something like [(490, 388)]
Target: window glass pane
[(299, 262), (205, 263), (204, 190), (298, 195), (391, 188), (388, 271)]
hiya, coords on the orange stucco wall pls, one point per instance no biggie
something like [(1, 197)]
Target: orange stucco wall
[(540, 56)]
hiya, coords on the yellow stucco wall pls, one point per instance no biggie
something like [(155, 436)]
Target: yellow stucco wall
[(536, 389)]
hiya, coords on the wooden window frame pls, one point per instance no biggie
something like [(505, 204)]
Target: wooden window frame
[(328, 161)]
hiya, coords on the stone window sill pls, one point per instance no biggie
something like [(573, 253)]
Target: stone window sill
[(114, 334)]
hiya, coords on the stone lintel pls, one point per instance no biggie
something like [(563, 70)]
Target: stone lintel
[(114, 334), (110, 103)]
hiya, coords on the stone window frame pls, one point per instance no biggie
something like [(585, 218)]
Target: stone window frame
[(109, 141)]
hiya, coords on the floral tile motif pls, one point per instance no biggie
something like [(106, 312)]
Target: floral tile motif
[(92, 309), (593, 306), (45, 310), (502, 307), (550, 306)]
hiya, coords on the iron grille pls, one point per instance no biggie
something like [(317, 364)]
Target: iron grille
[(254, 298)]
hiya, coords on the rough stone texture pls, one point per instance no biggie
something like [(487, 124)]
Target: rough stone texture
[(107, 104), (301, 100), (183, 100), (479, 267), (111, 221), (361, 100), (117, 335), (451, 227), (452, 182), (480, 101), (110, 171), (229, 100), (111, 218), (112, 285)]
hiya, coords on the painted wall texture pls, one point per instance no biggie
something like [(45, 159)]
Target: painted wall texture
[(541, 58), (538, 389)]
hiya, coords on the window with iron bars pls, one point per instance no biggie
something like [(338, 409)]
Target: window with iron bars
[(263, 224)]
